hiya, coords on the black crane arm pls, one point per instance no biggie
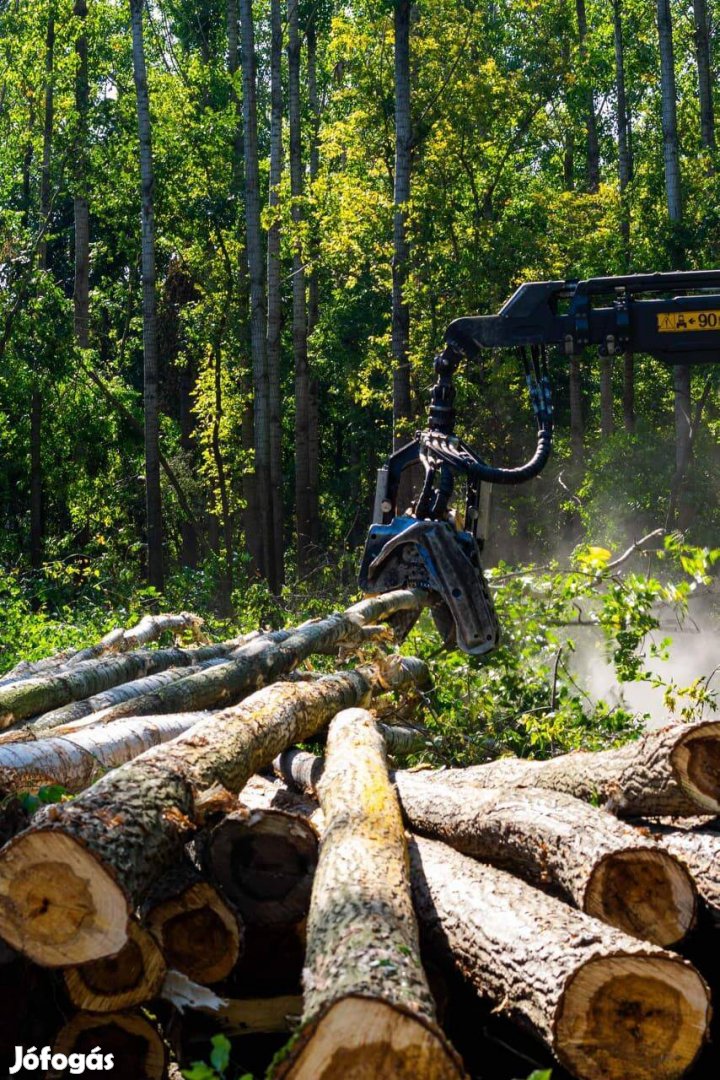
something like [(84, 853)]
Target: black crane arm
[(673, 316)]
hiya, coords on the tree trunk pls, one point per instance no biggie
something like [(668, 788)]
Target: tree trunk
[(704, 70), (256, 268), (128, 1036), (610, 1007), (683, 433), (68, 883), (623, 129), (313, 283), (38, 695), (131, 978), (697, 845), (264, 856), (77, 759), (303, 479), (576, 415), (606, 396), (261, 661), (672, 772), (81, 293), (155, 574), (259, 1016), (36, 484), (402, 407), (629, 392), (274, 297), (593, 149), (363, 972), (200, 935), (671, 150), (555, 842)]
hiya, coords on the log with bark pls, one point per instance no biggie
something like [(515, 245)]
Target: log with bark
[(266, 659), (253, 1016), (589, 858), (672, 772), (41, 693), (367, 1006), (199, 933), (609, 1006), (264, 855), (135, 975), (69, 881), (76, 759), (136, 1046), (150, 628)]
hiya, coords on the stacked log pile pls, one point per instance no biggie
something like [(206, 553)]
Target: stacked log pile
[(203, 874)]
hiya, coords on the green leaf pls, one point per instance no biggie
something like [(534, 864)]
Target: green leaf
[(220, 1056)]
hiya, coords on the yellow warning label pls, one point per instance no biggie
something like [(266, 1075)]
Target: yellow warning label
[(675, 322)]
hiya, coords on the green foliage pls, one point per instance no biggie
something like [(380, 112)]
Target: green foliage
[(219, 1063)]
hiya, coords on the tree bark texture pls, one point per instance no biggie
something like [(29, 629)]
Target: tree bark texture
[(76, 760), (68, 883), (263, 660), (51, 691), (256, 269), (132, 977), (274, 294), (199, 932), (593, 149), (303, 479), (670, 772), (610, 1007), (671, 149), (150, 347), (555, 842), (704, 71), (367, 1006), (402, 407)]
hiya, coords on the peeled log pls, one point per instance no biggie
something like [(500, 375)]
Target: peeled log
[(75, 760), (610, 1007), (264, 856), (41, 693), (672, 772), (597, 863), (136, 1046), (266, 659), (69, 881), (119, 982), (368, 1010), (199, 933)]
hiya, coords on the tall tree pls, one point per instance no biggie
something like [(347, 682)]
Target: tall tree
[(624, 177), (593, 148), (153, 499), (256, 269), (402, 408), (705, 80), (303, 480), (274, 294), (81, 293), (313, 280)]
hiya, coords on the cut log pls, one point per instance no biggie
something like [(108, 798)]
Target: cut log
[(119, 982), (254, 1016), (264, 660), (400, 739), (198, 931), (68, 882), (672, 772), (41, 693), (595, 862), (264, 855), (368, 1010), (76, 760), (136, 1047), (609, 1006), (93, 709), (697, 845)]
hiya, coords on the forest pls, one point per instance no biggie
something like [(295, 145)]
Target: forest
[(232, 237)]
